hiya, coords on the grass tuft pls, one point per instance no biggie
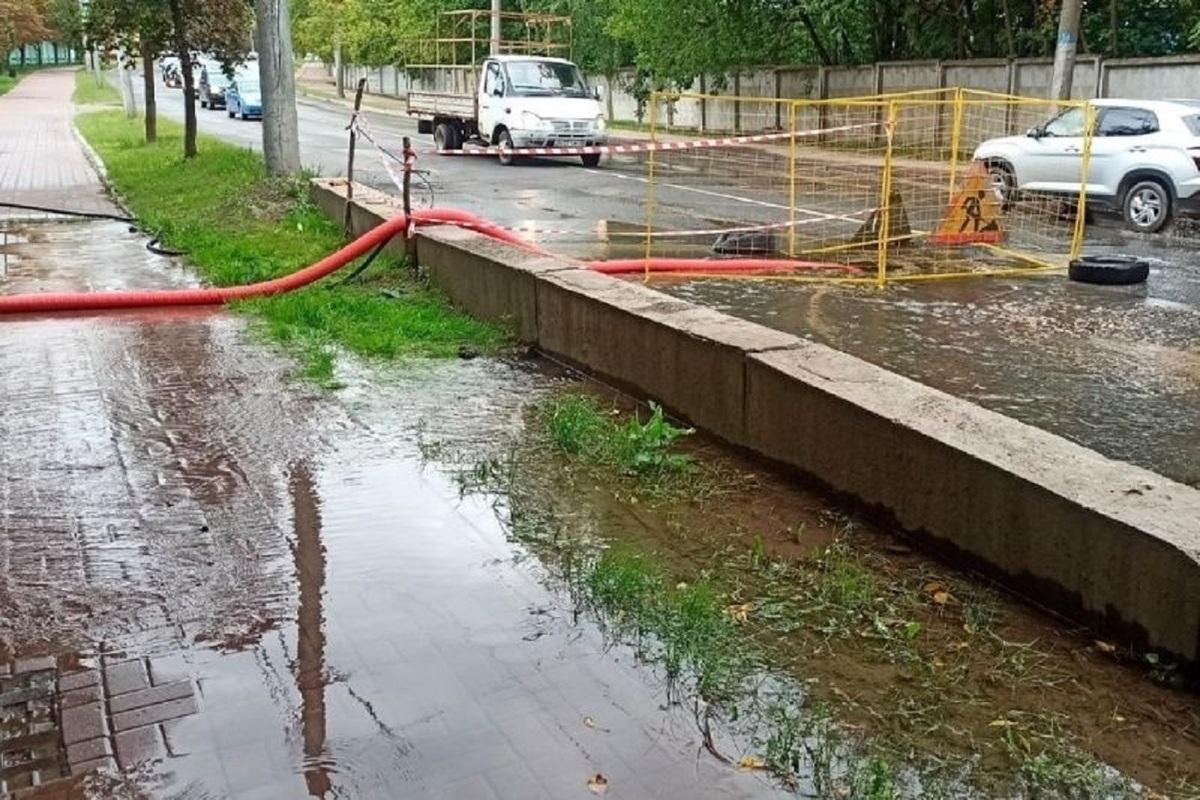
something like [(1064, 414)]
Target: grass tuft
[(580, 427)]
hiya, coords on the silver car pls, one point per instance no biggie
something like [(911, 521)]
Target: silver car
[(1144, 162)]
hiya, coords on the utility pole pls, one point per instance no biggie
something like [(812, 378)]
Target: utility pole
[(495, 27), (276, 75), (1064, 52)]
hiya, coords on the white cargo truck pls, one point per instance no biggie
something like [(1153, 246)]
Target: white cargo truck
[(513, 101)]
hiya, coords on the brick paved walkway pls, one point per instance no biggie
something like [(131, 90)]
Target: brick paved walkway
[(41, 160)]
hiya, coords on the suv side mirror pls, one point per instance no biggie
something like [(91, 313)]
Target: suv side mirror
[(1036, 132), (598, 92)]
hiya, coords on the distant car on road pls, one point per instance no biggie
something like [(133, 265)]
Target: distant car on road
[(170, 72), (1144, 161), (213, 85), (244, 98)]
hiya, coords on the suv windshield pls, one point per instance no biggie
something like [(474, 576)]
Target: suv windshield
[(535, 78), (1068, 123)]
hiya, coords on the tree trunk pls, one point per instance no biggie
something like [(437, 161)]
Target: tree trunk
[(276, 74), (125, 64), (189, 85), (811, 29), (1114, 22), (151, 101), (339, 69), (1010, 41)]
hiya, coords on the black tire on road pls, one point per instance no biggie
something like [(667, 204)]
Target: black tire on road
[(590, 159), (203, 103), (1147, 206), (1109, 270), (504, 142), (229, 112)]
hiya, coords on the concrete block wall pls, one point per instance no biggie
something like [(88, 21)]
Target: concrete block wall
[(1114, 546)]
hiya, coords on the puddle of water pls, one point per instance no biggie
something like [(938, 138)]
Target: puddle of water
[(85, 256), (1112, 368), (923, 664), (351, 625)]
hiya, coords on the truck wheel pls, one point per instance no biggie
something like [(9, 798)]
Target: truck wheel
[(590, 159), (504, 142), (443, 136)]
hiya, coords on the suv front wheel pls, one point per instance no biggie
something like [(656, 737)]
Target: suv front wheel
[(1147, 206)]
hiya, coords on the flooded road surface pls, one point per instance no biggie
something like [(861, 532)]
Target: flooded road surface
[(1115, 368), (247, 588)]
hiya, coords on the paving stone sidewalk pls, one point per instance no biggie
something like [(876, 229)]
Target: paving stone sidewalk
[(42, 161)]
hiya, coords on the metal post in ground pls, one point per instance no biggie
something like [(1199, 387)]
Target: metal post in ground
[(410, 241), (353, 127)]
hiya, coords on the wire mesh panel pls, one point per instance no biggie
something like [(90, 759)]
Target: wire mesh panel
[(877, 188)]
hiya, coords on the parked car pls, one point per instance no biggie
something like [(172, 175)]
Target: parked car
[(244, 98), (1144, 161), (213, 84)]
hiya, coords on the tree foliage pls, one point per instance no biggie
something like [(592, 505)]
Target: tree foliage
[(218, 29), (23, 22), (673, 42)]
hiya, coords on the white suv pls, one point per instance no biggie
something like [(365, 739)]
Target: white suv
[(1144, 164)]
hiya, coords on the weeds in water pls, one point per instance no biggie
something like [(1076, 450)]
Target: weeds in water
[(683, 627), (577, 425), (645, 447), (875, 780), (316, 365), (710, 637), (1049, 766), (580, 427)]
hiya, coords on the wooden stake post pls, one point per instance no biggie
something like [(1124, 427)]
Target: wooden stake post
[(362, 83)]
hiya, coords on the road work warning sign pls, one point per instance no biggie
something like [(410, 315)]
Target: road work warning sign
[(974, 215)]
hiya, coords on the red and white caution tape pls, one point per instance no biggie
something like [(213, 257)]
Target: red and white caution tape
[(618, 149)]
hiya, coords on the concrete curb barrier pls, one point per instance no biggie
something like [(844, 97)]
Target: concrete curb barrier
[(1106, 543)]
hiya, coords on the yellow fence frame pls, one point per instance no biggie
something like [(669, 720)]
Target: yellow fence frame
[(958, 101)]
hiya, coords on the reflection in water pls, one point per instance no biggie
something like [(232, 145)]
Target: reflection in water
[(310, 651)]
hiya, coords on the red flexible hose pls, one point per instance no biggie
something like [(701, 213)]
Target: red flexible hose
[(141, 298)]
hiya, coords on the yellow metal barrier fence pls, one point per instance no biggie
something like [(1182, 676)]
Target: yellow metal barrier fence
[(885, 188)]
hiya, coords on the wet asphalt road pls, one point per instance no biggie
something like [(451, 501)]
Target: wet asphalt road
[(1116, 369)]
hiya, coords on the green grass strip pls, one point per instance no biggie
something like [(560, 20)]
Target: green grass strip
[(238, 226), (93, 89)]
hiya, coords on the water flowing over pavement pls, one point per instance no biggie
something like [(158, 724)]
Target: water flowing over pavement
[(231, 585)]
